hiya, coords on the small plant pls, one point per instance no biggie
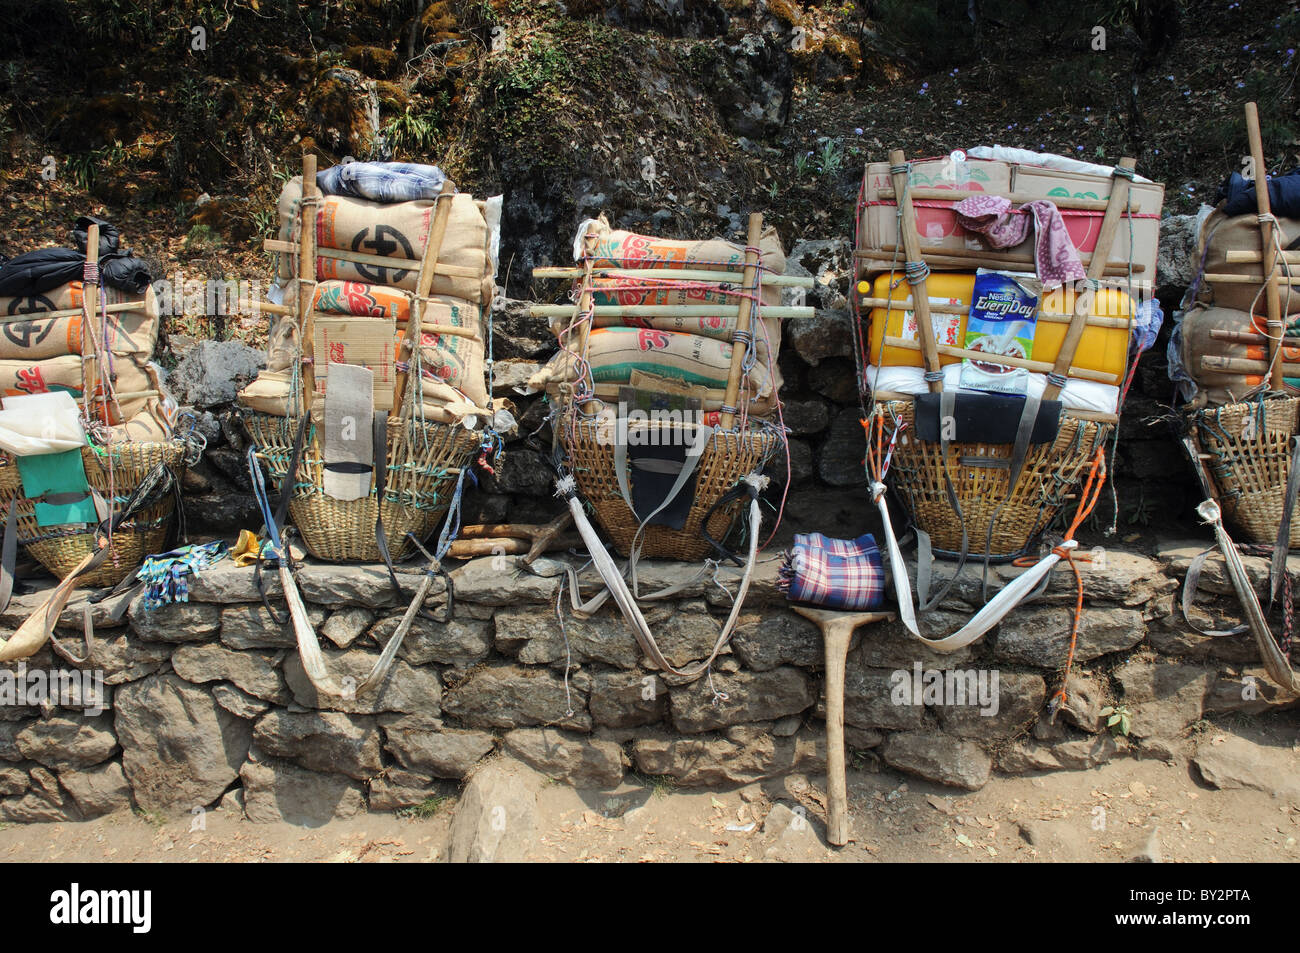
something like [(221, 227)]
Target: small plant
[(801, 165), (831, 158), (1118, 719), (410, 131), (201, 238), (427, 808)]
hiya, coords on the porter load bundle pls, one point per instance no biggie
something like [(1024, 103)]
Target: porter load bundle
[(1022, 369), (90, 466), (1236, 359), (664, 432), (383, 293)]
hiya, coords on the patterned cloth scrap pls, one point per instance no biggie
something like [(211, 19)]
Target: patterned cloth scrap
[(167, 576), (833, 573), (382, 181), (1055, 256)]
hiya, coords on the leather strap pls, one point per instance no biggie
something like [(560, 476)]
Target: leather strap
[(380, 437)]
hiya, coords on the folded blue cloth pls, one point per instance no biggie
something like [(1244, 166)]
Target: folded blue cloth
[(834, 573), (166, 576), (382, 181)]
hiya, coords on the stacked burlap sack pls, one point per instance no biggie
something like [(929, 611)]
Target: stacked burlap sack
[(688, 354), (452, 366)]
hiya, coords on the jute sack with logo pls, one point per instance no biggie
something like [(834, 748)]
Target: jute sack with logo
[(1221, 234), (135, 381), (456, 360), (274, 393), (1217, 387), (621, 249), (615, 354), (397, 230), (26, 335)]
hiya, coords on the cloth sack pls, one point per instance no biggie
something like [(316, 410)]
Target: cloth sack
[(844, 574)]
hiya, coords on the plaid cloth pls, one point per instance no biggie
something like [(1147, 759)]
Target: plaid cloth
[(382, 181), (833, 573), (166, 576)]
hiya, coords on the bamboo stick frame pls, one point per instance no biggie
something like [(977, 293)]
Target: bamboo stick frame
[(90, 329), (971, 258), (747, 311), (1246, 365), (905, 304), (923, 194), (1268, 246), (383, 261), (307, 279), (432, 249), (675, 274), (1248, 337), (663, 311)]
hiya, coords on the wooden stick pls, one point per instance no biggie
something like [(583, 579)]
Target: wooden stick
[(1248, 337), (966, 259), (529, 539), (745, 314), (509, 546), (922, 194), (1266, 238), (1115, 208), (912, 245), (682, 274), (411, 339), (1225, 279), (584, 304), (383, 261), (662, 311), (272, 308), (894, 304), (307, 278), (1006, 360), (1237, 257), (90, 337), (1245, 365), (69, 312)]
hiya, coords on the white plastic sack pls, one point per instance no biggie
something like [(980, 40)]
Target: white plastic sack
[(34, 424)]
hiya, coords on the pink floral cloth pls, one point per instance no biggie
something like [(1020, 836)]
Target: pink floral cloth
[(1056, 259)]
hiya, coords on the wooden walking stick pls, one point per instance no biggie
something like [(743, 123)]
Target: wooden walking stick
[(744, 321), (1268, 245), (411, 340), (89, 323), (837, 631), (912, 248)]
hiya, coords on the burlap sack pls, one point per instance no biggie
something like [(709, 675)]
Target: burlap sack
[(621, 249), (1216, 387), (615, 354), (26, 336), (456, 360), (135, 381), (1221, 234), (269, 393), (398, 230)]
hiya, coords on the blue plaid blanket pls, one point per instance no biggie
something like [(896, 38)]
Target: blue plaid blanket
[(382, 181), (166, 577), (833, 573)]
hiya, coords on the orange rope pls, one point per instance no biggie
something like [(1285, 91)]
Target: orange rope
[(1092, 488)]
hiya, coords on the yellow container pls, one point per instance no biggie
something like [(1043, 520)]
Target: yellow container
[(1100, 349)]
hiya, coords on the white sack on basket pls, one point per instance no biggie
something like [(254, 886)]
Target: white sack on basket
[(35, 424)]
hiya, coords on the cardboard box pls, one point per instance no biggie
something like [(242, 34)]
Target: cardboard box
[(369, 342)]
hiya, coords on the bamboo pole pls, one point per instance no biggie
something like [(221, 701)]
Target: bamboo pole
[(1268, 242), (382, 261), (307, 279), (749, 307), (69, 312), (967, 258), (1248, 337), (1246, 365), (269, 307), (1115, 208), (905, 304), (1236, 256), (912, 244), (1225, 279), (89, 327), (956, 195), (1006, 360), (682, 274), (662, 311), (411, 339)]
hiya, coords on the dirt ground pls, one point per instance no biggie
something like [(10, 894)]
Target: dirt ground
[(1117, 812)]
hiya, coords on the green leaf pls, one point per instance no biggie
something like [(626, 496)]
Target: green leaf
[(1108, 710), (1114, 720)]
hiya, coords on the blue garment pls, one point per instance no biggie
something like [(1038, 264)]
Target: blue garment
[(382, 181), (166, 576), (1146, 324), (1283, 195)]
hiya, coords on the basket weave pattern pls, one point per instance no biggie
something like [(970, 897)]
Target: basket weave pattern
[(1051, 473), (424, 461), (727, 459), (61, 549), (1248, 448)]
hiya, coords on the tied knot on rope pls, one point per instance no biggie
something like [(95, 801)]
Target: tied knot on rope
[(1124, 173), (916, 271), (90, 272)]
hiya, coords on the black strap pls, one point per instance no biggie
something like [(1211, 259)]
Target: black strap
[(281, 514), (380, 437), (737, 492)]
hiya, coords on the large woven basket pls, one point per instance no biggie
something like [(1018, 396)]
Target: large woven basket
[(1051, 474), (424, 462), (727, 459), (1247, 450), (60, 549)]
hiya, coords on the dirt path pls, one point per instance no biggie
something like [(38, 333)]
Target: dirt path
[(1112, 813)]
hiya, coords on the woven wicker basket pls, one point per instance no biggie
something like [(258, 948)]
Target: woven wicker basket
[(727, 459), (1051, 472), (61, 549), (1248, 451), (424, 461)]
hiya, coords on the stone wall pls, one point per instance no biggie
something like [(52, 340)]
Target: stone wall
[(208, 704)]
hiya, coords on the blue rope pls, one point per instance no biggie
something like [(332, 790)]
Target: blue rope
[(275, 547)]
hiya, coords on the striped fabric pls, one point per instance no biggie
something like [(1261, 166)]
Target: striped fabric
[(834, 573), (382, 181)]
